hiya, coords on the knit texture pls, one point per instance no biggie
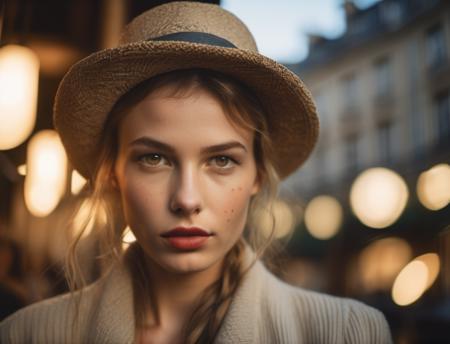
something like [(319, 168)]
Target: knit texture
[(264, 310)]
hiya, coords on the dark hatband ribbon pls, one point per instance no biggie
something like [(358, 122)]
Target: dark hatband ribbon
[(196, 37)]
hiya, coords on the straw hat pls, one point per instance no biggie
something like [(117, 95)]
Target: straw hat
[(182, 35)]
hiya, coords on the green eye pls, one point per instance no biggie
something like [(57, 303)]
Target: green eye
[(151, 159), (222, 161)]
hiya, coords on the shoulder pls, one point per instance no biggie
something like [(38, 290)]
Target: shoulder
[(340, 317), (50, 320), (325, 318)]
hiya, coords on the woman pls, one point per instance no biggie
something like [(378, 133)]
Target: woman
[(183, 132)]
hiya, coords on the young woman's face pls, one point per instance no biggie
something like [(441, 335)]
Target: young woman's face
[(185, 174)]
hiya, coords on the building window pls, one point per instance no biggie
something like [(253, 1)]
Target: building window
[(442, 118), (392, 14), (385, 142), (383, 78), (350, 91), (435, 46)]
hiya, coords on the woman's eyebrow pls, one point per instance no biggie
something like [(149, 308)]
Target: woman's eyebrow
[(147, 141), (224, 146)]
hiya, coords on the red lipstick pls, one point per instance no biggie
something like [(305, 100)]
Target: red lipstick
[(186, 238)]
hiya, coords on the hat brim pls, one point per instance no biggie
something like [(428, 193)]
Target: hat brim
[(92, 86)]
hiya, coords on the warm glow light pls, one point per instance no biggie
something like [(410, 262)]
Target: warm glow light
[(378, 197), (128, 238), (19, 74), (410, 283), (22, 169), (55, 57), (323, 217), (77, 182), (433, 187), (381, 261), (82, 220), (284, 223), (431, 260), (45, 181), (86, 218), (415, 279)]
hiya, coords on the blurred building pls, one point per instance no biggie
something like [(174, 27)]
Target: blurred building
[(382, 91)]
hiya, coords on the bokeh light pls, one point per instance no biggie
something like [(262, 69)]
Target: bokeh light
[(22, 169), (77, 182), (46, 177), (381, 261), (378, 197), (433, 187), (410, 283), (281, 220), (323, 217), (415, 278), (128, 238), (432, 262), (19, 75), (87, 218)]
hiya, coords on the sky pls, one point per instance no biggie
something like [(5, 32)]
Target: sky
[(281, 27)]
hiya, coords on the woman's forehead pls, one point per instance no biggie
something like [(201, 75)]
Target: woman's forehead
[(195, 117)]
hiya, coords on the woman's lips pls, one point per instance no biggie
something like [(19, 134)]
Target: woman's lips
[(187, 238)]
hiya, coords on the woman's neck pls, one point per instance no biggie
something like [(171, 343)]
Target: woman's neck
[(175, 298), (177, 294)]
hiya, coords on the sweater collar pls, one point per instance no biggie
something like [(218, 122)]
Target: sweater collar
[(244, 316), (115, 318)]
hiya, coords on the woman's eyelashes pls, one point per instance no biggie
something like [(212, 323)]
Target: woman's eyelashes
[(223, 162), (153, 160), (218, 162)]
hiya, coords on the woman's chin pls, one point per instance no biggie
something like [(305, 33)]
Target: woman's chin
[(188, 263)]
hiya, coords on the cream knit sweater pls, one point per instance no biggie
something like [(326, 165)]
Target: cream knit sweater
[(264, 310)]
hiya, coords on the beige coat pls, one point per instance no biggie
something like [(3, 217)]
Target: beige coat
[(264, 310)]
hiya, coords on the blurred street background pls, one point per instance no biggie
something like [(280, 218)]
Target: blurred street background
[(366, 217)]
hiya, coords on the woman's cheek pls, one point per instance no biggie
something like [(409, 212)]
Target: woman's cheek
[(139, 201), (235, 209)]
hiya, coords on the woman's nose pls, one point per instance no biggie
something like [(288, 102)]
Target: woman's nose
[(186, 196)]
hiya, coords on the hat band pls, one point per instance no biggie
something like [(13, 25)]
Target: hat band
[(196, 37)]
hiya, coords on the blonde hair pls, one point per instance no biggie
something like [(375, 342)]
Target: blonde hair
[(244, 110)]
